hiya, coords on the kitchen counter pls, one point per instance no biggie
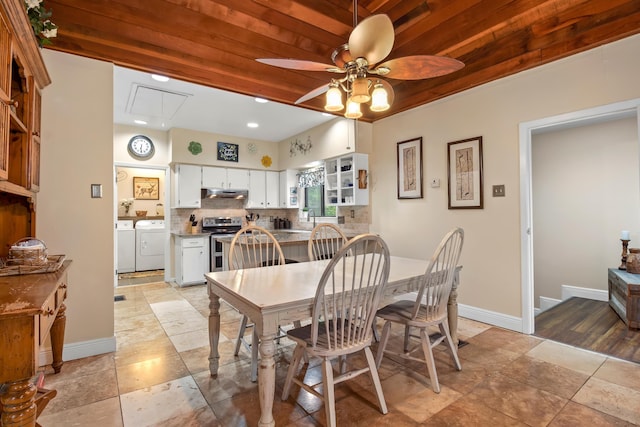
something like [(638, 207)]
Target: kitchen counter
[(189, 234), (284, 237)]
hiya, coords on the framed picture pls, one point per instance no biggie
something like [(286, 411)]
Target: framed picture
[(227, 152), (410, 169), (146, 188), (464, 164)]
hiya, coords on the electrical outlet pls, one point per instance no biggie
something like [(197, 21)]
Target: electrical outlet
[(353, 213), (498, 191)]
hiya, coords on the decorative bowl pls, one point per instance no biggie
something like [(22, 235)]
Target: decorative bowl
[(141, 213)]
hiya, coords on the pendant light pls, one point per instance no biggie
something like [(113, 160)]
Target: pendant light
[(334, 99), (379, 98), (353, 110)]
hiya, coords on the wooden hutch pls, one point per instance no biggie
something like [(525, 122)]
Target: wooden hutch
[(31, 305)]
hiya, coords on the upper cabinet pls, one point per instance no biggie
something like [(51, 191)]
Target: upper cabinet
[(264, 189), (217, 177), (186, 192), (346, 180), (288, 189)]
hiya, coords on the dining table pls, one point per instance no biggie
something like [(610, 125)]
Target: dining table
[(281, 294)]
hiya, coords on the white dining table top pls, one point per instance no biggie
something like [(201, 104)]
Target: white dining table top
[(283, 285)]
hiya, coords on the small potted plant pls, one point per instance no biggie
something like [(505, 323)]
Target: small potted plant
[(305, 213)]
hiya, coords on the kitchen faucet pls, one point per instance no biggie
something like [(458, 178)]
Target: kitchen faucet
[(314, 217)]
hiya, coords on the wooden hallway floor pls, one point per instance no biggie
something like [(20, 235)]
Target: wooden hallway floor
[(591, 325)]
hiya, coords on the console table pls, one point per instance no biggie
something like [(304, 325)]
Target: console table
[(624, 296), (31, 308)]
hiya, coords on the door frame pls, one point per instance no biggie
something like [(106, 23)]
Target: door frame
[(526, 131)]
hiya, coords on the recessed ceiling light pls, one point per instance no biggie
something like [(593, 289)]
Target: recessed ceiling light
[(159, 78), (262, 100), (252, 125), (140, 122)]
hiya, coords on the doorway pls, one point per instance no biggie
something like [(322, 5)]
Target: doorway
[(140, 200), (527, 132)]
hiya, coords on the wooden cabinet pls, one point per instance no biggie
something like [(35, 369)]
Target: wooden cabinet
[(346, 180), (192, 259), (227, 178), (624, 296), (264, 189), (22, 77), (187, 182), (288, 189), (31, 309)]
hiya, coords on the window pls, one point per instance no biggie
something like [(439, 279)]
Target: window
[(314, 200)]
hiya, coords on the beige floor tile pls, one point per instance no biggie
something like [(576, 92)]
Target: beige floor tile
[(517, 400), (612, 399), (171, 402), (192, 320), (468, 412), (193, 339), (468, 328), (577, 415), (104, 413), (620, 372), (129, 337), (165, 367), (142, 321), (144, 350), (567, 356), (506, 340), (80, 390)]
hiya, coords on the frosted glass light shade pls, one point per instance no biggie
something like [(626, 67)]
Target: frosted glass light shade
[(353, 110), (334, 99), (360, 90), (379, 99)]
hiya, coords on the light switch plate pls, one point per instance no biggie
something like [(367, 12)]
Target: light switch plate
[(498, 191), (435, 183), (96, 191)]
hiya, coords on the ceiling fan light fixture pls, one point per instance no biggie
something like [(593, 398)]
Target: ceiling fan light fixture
[(353, 110), (379, 98), (360, 90), (334, 99)]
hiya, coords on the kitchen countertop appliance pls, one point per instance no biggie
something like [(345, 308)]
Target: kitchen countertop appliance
[(220, 226)]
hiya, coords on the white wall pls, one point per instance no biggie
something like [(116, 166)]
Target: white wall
[(490, 279), (585, 183), (77, 151)]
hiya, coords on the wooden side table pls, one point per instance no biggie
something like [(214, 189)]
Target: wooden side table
[(624, 296), (31, 308)]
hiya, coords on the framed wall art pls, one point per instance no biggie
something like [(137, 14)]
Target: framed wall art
[(410, 169), (464, 165), (146, 188), (227, 151)]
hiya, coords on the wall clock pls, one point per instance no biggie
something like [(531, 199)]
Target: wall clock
[(141, 147)]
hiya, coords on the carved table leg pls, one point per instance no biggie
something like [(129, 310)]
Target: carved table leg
[(267, 379), (18, 401), (57, 337), (214, 333)]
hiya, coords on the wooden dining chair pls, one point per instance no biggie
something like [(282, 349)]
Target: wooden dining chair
[(343, 310), (252, 247), (428, 309), (325, 241)]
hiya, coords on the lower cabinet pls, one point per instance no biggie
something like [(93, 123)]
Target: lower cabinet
[(192, 259)]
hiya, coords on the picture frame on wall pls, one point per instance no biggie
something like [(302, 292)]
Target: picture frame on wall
[(146, 188), (227, 152), (465, 180), (410, 169)]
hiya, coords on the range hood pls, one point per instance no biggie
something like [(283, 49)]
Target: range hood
[(224, 193)]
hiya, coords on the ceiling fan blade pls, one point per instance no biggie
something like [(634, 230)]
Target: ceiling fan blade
[(372, 39), (298, 64), (315, 92), (418, 67)]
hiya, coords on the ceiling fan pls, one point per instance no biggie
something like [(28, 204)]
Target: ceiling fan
[(359, 60)]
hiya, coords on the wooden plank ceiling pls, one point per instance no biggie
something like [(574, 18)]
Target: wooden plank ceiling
[(216, 42)]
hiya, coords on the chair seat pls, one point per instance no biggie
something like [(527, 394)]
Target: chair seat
[(302, 336), (402, 312)]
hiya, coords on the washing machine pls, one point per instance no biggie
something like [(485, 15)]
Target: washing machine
[(126, 246), (150, 236)]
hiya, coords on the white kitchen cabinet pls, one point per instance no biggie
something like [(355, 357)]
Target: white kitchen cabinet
[(187, 180), (264, 189), (346, 180), (192, 259), (288, 189), (216, 177)]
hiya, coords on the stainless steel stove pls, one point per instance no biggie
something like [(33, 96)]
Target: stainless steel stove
[(219, 226)]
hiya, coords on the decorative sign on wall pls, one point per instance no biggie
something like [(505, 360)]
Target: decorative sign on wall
[(227, 152), (298, 146)]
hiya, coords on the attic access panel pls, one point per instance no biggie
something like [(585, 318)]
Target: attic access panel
[(150, 101)]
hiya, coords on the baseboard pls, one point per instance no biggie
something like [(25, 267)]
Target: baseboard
[(491, 317), (587, 293), (79, 350), (547, 303)]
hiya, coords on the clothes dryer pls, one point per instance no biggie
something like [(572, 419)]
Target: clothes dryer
[(150, 236)]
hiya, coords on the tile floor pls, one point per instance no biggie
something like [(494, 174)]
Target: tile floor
[(159, 376)]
